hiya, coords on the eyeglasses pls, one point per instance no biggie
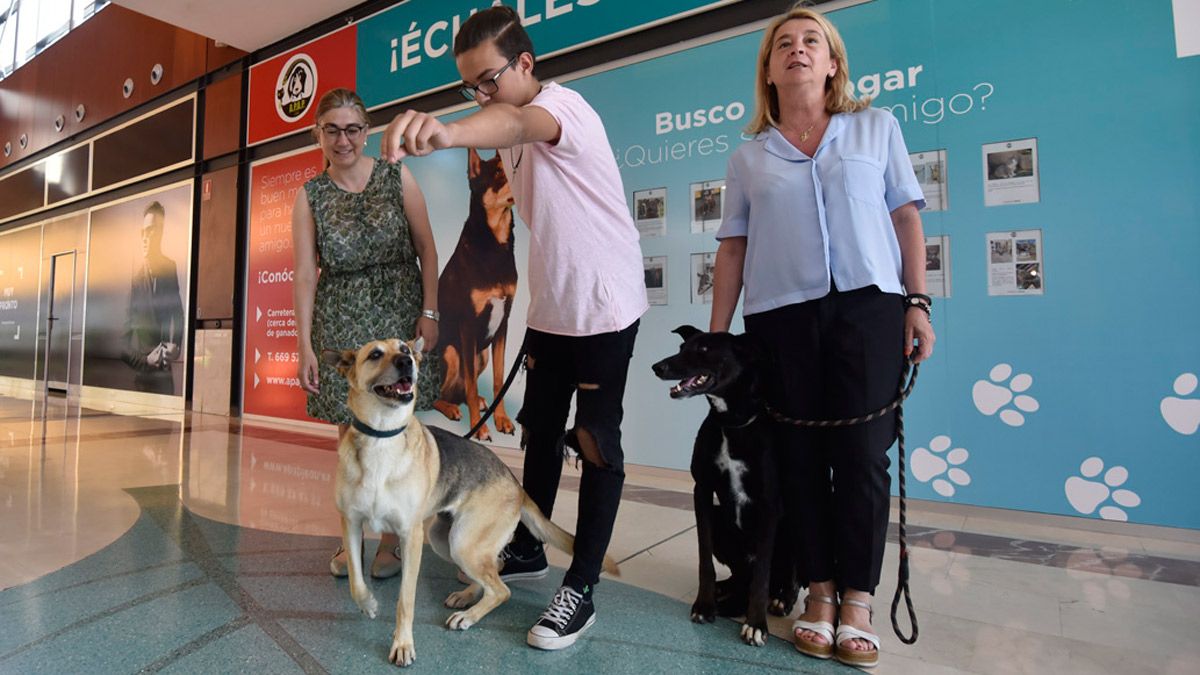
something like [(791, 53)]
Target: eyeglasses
[(486, 87), (352, 131)]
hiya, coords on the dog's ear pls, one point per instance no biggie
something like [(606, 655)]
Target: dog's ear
[(473, 163), (418, 347), (687, 332), (342, 360)]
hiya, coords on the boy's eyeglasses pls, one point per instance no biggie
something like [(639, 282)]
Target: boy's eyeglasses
[(486, 87), (352, 131)]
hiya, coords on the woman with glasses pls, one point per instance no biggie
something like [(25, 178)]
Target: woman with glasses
[(364, 225)]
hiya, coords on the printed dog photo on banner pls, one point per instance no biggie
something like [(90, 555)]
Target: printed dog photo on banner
[(477, 233), (136, 325), (475, 297)]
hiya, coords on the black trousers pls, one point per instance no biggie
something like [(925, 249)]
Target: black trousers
[(836, 357), (593, 369)]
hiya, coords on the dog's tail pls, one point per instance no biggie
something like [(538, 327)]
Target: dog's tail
[(545, 530)]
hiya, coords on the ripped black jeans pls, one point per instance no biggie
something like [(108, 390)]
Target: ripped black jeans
[(593, 369)]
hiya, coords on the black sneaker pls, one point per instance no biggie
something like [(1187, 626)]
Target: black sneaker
[(523, 563), (569, 614), (518, 563)]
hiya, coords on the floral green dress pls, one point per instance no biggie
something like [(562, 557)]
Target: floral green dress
[(370, 283)]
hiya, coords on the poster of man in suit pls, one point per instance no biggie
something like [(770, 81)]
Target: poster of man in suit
[(137, 278)]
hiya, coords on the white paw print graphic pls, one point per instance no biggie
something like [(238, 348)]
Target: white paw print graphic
[(932, 463), (992, 396), (1182, 414), (1085, 495)]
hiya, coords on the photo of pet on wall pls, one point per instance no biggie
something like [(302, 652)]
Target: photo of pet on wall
[(1010, 164), (707, 201), (655, 268), (1002, 250), (703, 265), (930, 169), (1029, 276), (650, 212)]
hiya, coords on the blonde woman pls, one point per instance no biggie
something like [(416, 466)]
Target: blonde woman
[(364, 224), (821, 232)]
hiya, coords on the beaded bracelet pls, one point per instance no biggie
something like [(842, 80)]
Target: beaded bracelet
[(920, 301)]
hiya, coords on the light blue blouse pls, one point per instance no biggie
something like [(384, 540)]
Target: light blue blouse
[(806, 217)]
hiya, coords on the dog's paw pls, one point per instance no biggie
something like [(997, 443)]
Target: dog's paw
[(483, 435), (450, 410), (753, 635), (368, 604), (783, 600), (503, 424), (403, 653), (703, 612), (779, 607), (459, 621), (460, 599)]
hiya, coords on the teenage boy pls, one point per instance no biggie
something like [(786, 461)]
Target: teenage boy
[(586, 285)]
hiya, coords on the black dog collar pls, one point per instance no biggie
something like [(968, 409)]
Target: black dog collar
[(375, 433)]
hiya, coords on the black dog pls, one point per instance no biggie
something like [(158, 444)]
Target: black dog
[(739, 506), (475, 295)]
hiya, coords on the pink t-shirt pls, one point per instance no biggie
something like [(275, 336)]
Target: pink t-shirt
[(585, 263)]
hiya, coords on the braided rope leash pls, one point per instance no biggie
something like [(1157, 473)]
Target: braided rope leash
[(905, 388)]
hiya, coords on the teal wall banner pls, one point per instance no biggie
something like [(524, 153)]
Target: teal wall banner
[(1078, 396), (408, 49)]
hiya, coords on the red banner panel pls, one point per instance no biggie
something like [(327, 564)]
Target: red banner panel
[(284, 90), (271, 387)]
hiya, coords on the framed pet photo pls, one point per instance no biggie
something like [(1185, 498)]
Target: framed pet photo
[(656, 279), (1010, 173), (930, 168), (937, 266), (650, 212), (1015, 263), (707, 201), (703, 265)]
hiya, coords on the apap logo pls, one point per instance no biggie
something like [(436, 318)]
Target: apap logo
[(296, 87)]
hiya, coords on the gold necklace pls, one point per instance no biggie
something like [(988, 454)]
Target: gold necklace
[(804, 136)]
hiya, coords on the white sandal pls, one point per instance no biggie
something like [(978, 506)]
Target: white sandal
[(817, 650), (845, 632)]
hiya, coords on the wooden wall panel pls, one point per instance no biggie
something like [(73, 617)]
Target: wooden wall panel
[(222, 116), (218, 243), (219, 57), (70, 177), (88, 66), (160, 140), (23, 191)]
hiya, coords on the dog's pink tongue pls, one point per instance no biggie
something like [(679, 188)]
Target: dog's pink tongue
[(404, 386)]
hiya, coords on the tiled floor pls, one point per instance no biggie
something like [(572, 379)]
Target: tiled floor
[(193, 543)]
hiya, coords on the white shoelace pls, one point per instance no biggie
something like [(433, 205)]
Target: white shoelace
[(562, 607)]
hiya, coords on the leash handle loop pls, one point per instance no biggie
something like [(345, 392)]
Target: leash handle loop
[(902, 571)]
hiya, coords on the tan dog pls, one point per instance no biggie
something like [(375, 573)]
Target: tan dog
[(395, 474)]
